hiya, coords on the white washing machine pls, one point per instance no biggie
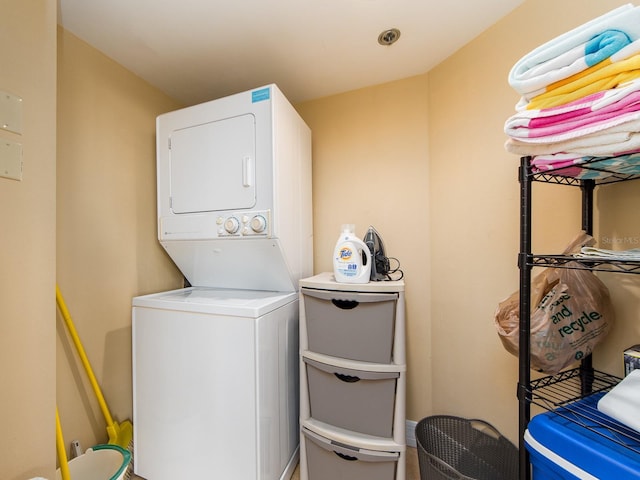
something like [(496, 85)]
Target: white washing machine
[(215, 392), (215, 383)]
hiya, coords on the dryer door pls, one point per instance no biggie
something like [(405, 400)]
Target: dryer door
[(212, 166)]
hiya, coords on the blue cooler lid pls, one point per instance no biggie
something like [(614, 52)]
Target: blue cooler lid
[(588, 439)]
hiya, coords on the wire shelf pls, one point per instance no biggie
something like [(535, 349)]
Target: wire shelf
[(562, 176), (583, 263), (574, 395), (549, 177)]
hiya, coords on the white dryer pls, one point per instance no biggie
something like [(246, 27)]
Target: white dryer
[(234, 191)]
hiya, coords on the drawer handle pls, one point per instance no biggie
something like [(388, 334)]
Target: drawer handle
[(347, 378), (345, 457), (345, 304)]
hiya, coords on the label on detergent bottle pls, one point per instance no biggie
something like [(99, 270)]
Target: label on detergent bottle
[(346, 264)]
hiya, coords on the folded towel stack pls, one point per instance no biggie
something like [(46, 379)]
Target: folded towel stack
[(579, 111)]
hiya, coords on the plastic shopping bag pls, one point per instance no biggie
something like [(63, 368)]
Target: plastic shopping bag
[(571, 312)]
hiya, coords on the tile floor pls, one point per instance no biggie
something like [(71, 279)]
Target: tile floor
[(413, 471)]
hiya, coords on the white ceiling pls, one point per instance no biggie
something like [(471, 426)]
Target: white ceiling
[(198, 50)]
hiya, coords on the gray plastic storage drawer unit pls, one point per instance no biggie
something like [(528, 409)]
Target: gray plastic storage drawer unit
[(358, 400), (331, 460), (353, 325)]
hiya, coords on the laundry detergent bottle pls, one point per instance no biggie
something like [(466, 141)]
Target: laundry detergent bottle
[(351, 258)]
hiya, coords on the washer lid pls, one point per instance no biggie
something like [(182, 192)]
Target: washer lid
[(241, 303)]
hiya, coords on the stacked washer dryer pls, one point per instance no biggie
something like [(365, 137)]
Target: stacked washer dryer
[(215, 365)]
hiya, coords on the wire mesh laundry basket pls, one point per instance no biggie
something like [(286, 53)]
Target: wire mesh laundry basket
[(454, 448)]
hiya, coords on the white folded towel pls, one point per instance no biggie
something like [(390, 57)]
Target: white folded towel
[(566, 54), (593, 252), (623, 401)]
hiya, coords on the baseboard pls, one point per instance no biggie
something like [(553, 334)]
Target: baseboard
[(410, 429)]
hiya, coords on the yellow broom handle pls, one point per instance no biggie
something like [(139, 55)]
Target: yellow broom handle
[(83, 357), (62, 454)]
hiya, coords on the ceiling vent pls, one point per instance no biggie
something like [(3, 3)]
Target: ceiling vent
[(389, 37)]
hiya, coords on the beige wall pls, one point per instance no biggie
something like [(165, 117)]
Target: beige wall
[(107, 251), (443, 192), (27, 244), (475, 216), (421, 159), (370, 167)]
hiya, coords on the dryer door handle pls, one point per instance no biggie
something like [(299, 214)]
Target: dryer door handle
[(247, 171)]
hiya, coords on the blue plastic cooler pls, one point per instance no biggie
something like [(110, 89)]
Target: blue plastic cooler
[(579, 442)]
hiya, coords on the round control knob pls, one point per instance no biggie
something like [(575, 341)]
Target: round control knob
[(231, 225), (258, 224)]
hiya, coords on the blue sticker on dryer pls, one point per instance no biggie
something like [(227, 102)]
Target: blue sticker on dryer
[(260, 95)]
